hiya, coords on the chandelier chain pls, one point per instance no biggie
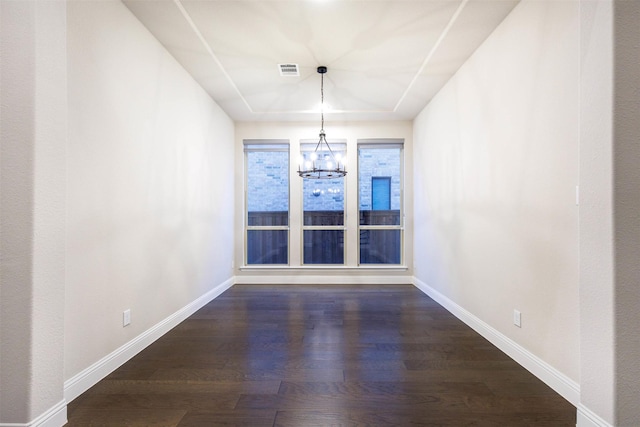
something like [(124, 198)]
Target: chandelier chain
[(322, 99)]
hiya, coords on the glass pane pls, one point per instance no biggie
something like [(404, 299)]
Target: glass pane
[(380, 246), (323, 246), (323, 201), (380, 184), (380, 217), (381, 193), (267, 188), (267, 246)]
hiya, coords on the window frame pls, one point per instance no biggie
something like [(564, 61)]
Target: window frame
[(382, 143), (342, 143), (266, 145)]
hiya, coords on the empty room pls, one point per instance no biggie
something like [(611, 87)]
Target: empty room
[(319, 212)]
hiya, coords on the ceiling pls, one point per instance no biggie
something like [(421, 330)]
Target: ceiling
[(386, 58)]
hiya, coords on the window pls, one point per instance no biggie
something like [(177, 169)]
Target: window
[(267, 201), (380, 202), (335, 223), (323, 205)]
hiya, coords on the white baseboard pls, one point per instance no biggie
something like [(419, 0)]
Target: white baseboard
[(586, 418), (56, 416), (86, 379), (562, 384), (306, 279)]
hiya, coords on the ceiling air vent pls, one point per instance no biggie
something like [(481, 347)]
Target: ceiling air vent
[(287, 70)]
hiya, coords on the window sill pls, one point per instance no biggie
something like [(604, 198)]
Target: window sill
[(323, 267)]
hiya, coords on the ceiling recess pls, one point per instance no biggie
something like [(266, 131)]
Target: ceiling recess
[(289, 70)]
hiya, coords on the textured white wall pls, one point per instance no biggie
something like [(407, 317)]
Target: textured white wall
[(597, 356), (32, 193), (609, 220), (495, 168), (16, 208), (150, 185), (627, 209)]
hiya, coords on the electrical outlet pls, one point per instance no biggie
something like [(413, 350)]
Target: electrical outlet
[(126, 318), (517, 318)]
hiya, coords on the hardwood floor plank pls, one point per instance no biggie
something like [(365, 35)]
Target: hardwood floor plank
[(159, 387), (390, 389), (188, 401), (517, 404), (370, 403), (415, 417), (309, 363), (447, 364), (454, 374), (266, 374), (255, 418), (114, 417), (510, 387)]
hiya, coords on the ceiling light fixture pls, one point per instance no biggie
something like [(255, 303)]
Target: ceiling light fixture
[(322, 163)]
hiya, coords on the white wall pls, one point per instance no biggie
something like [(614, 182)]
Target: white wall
[(150, 193), (294, 132), (609, 221), (597, 279), (33, 127), (627, 209), (496, 166)]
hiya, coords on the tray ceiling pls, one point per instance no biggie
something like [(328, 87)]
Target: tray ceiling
[(386, 58)]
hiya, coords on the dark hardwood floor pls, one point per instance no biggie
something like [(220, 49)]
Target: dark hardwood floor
[(321, 356)]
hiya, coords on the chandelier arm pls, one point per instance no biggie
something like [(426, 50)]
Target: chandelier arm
[(333, 157), (318, 144)]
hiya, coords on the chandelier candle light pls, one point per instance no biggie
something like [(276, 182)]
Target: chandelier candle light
[(322, 163)]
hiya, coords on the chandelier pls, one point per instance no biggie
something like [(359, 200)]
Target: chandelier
[(322, 163)]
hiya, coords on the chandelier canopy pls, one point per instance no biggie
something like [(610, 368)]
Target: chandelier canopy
[(322, 163)]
